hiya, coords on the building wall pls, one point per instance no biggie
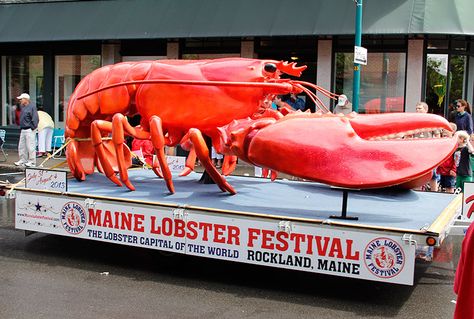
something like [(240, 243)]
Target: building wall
[(110, 53), (247, 49), (324, 68), (172, 50), (414, 74), (318, 54)]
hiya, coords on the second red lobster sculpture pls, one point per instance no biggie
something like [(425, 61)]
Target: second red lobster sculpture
[(180, 100)]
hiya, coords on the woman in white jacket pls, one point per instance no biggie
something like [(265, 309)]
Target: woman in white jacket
[(45, 132)]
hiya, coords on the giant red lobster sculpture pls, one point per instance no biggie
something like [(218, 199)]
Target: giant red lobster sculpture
[(181, 100)]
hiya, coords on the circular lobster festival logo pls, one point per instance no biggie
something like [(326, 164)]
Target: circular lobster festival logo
[(384, 257), (73, 218)]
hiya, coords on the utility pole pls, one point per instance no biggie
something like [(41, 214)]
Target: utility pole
[(358, 43)]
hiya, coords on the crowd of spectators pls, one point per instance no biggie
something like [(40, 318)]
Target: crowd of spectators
[(458, 168)]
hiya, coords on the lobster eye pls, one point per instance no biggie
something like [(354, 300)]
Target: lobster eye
[(270, 67)]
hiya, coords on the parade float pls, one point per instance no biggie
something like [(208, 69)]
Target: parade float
[(352, 212)]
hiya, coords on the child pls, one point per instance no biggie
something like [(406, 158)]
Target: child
[(447, 170), (461, 158)]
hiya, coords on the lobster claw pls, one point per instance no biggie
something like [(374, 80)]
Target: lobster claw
[(354, 151)]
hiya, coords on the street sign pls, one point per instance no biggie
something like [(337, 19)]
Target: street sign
[(360, 55)]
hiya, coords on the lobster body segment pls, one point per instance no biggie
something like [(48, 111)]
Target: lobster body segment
[(182, 105), (202, 94), (179, 105)]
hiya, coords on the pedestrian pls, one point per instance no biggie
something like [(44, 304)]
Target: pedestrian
[(28, 124), (17, 114), (463, 116), (452, 111), (422, 107), (146, 148), (217, 158), (343, 105), (11, 112), (45, 132), (281, 106), (296, 102)]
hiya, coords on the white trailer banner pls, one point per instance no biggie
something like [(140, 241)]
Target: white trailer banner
[(257, 240)]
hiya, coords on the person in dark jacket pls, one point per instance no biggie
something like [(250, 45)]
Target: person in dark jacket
[(296, 102), (28, 124), (463, 118)]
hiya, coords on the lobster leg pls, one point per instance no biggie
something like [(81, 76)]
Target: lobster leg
[(97, 127), (156, 167), (118, 127), (158, 140), (202, 153), (190, 163), (266, 172), (119, 121), (229, 164), (121, 125), (74, 163)]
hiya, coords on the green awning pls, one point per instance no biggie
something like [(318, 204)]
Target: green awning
[(155, 19)]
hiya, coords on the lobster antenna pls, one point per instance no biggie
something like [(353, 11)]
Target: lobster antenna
[(315, 98), (323, 91), (188, 82)]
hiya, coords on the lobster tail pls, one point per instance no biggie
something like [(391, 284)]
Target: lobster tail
[(79, 153), (84, 108)]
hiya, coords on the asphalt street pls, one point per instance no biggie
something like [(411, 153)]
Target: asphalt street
[(47, 276)]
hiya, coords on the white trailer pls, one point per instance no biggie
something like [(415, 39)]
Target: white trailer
[(285, 224)]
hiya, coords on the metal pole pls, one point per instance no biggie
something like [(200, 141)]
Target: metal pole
[(358, 42)]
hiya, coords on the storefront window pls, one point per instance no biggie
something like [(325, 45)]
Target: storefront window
[(382, 86), (446, 74), (443, 74), (23, 74), (70, 69), (436, 81), (457, 73)]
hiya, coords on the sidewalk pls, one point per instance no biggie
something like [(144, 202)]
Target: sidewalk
[(12, 157)]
